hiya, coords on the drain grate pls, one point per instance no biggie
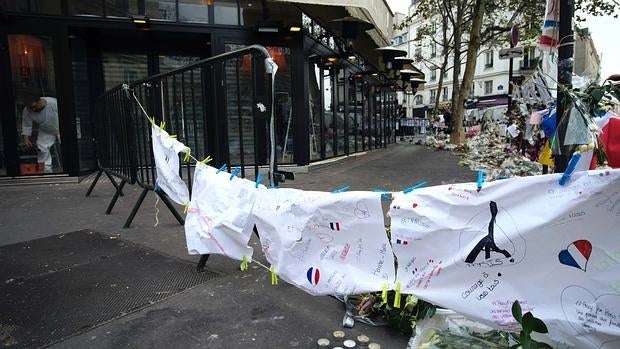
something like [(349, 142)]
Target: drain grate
[(80, 292)]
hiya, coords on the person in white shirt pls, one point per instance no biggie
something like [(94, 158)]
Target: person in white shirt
[(44, 112)]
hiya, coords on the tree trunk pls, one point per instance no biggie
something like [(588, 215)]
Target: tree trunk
[(458, 135), (444, 64)]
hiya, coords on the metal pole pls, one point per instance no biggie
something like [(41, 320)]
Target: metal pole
[(565, 69)]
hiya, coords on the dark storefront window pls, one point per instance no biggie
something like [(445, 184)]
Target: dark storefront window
[(82, 105), (37, 119), (340, 112), (183, 105), (328, 113), (2, 153), (250, 12), (85, 8), (121, 8), (355, 112), (226, 12), (242, 108), (119, 68), (161, 9), (45, 7), (314, 108), (168, 63), (193, 11)]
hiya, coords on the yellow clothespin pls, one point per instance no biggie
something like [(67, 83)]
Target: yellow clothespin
[(397, 295), (384, 293), (162, 125), (151, 120), (274, 277), (188, 155), (207, 160), (186, 207), (244, 263)]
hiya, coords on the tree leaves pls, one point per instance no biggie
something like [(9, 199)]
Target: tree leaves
[(516, 311)]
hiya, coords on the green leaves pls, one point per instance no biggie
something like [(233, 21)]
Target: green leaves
[(529, 324), (516, 311), (538, 325)]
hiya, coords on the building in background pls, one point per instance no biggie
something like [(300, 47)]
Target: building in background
[(74, 50), (490, 84)]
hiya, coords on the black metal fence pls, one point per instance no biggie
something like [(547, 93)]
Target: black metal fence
[(219, 107)]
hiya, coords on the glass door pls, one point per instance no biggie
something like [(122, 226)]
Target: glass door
[(35, 104)]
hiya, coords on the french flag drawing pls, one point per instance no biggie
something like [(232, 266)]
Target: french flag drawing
[(334, 226), (401, 242), (313, 275)]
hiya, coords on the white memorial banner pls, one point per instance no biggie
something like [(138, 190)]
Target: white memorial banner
[(166, 151), (555, 249), (325, 243), (217, 220)]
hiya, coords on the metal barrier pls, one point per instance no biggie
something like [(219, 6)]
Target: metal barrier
[(221, 107)]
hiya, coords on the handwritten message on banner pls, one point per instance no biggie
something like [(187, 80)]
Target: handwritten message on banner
[(325, 243), (217, 220), (554, 248), (166, 153)]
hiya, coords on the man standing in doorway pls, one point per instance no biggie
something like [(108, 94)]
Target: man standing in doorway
[(42, 111)]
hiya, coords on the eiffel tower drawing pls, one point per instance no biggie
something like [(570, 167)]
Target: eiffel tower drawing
[(487, 243)]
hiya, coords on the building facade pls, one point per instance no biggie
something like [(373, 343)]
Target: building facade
[(490, 85), (72, 51)]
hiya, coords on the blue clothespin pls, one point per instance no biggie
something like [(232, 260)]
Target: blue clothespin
[(414, 187), (234, 172), (385, 196), (570, 168), (480, 180), (271, 186), (259, 178), (156, 187), (342, 189), (223, 168)]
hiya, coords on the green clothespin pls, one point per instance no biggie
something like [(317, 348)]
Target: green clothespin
[(186, 208), (188, 155), (162, 125), (384, 293), (397, 295), (274, 277), (207, 160), (244, 263)]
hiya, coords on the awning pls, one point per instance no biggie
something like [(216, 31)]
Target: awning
[(487, 101)]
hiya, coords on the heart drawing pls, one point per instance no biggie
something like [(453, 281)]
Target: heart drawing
[(576, 254), (596, 319)]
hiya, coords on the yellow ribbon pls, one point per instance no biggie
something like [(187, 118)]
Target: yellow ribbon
[(188, 154), (397, 296), (186, 207), (207, 160), (244, 263), (274, 277), (384, 293)]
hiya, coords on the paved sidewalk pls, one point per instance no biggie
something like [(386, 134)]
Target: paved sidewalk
[(236, 309)]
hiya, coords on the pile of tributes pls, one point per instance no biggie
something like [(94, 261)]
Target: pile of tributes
[(497, 158), (440, 141)]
